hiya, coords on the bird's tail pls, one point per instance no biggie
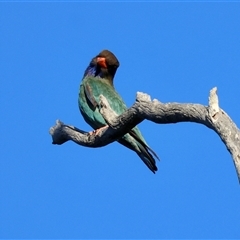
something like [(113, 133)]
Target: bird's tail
[(142, 149)]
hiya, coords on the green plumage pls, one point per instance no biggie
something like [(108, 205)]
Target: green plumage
[(90, 89), (98, 86)]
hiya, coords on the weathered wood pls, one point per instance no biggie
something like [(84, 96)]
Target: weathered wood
[(212, 116)]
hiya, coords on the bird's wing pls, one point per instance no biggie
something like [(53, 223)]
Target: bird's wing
[(90, 91), (93, 88), (89, 94)]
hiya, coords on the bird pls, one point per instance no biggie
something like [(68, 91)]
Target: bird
[(98, 80)]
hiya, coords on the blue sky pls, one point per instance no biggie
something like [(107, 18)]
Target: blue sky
[(174, 51)]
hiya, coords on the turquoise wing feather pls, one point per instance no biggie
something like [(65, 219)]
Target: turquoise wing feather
[(90, 90)]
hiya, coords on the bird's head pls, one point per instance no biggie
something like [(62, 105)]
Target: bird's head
[(104, 65)]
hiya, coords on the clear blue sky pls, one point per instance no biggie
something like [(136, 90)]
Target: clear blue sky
[(176, 52)]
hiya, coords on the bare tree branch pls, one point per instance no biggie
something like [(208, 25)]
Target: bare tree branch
[(211, 116)]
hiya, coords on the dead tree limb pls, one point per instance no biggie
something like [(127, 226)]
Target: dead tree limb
[(212, 116)]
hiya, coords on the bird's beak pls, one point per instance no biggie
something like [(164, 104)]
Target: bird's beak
[(101, 61)]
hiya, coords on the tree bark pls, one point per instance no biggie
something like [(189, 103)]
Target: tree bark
[(212, 116)]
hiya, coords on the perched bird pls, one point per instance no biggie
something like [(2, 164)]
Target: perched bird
[(97, 80)]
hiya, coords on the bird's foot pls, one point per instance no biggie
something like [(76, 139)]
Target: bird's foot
[(96, 132)]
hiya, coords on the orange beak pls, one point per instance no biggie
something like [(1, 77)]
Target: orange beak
[(101, 61)]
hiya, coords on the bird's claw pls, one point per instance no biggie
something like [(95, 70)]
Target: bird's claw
[(96, 131)]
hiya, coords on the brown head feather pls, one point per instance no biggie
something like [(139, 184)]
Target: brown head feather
[(111, 62)]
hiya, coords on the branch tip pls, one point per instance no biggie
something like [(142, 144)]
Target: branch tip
[(213, 104)]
